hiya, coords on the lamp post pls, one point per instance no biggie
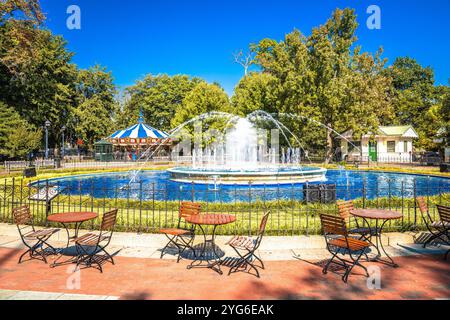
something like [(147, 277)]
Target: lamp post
[(47, 124), (62, 142)]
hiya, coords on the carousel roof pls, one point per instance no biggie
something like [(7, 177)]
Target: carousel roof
[(141, 131)]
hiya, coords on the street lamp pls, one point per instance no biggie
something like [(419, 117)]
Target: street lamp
[(47, 125), (62, 144)]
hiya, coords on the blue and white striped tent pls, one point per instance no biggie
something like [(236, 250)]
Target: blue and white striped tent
[(139, 131)]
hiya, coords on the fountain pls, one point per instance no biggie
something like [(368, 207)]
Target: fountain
[(241, 156)]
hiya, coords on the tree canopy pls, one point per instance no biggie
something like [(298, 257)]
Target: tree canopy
[(303, 80)]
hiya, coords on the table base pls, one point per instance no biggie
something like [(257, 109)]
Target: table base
[(201, 258)]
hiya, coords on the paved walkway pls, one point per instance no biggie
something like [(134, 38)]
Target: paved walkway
[(418, 277), (293, 271)]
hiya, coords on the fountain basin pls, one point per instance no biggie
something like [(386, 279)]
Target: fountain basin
[(256, 176)]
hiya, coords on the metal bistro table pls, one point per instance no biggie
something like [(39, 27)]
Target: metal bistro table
[(377, 215), (214, 220), (67, 218)]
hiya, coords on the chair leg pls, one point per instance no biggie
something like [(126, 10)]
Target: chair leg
[(107, 254), (244, 260), (23, 255), (355, 262), (325, 268), (259, 259)]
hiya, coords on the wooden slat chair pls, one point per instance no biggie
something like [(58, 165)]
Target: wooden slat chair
[(246, 246), (339, 243), (33, 239), (363, 233), (444, 215), (438, 229), (89, 245), (182, 237)]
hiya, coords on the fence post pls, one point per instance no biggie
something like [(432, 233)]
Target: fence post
[(415, 204), (364, 193), (13, 195), (140, 206), (390, 193), (250, 208), (47, 204)]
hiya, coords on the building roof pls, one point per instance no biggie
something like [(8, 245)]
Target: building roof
[(391, 131), (396, 130), (141, 131)]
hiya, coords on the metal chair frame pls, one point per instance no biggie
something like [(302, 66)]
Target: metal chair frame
[(22, 217), (102, 240), (444, 216), (247, 255), (334, 228), (179, 241), (436, 232), (364, 233)]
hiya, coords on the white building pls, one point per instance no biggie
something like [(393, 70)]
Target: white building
[(391, 144)]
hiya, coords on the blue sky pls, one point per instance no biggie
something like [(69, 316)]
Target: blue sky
[(198, 37)]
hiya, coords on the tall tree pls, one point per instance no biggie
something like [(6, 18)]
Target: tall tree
[(17, 137), (257, 91), (159, 97), (202, 99), (414, 98), (320, 77), (46, 88), (93, 117), (19, 20)]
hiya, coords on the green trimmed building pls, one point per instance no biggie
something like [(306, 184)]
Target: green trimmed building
[(390, 144)]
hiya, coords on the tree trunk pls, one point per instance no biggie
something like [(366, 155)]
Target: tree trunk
[(329, 154)]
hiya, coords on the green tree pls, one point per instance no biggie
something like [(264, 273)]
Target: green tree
[(22, 141), (93, 121), (17, 137), (321, 78), (158, 96), (93, 117), (203, 98), (19, 20), (414, 98), (256, 91), (45, 89)]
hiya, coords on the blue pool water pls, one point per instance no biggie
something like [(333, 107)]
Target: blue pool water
[(157, 185)]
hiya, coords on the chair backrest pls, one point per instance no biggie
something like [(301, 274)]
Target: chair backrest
[(422, 203), (333, 225), (344, 208), (262, 228), (262, 225), (444, 213), (189, 209), (109, 220), (22, 215)]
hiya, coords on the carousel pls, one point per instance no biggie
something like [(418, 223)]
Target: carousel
[(129, 144)]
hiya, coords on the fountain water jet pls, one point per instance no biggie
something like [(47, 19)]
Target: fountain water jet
[(246, 159)]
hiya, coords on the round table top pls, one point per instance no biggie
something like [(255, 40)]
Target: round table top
[(211, 219), (376, 214), (72, 217)]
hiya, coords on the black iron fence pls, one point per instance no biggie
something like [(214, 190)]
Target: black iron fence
[(147, 207)]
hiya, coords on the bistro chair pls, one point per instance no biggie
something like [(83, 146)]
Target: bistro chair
[(438, 229), (90, 244), (444, 215), (340, 244), (344, 208), (246, 247), (33, 239), (182, 237)]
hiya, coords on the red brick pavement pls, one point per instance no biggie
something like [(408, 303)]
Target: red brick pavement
[(418, 277)]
